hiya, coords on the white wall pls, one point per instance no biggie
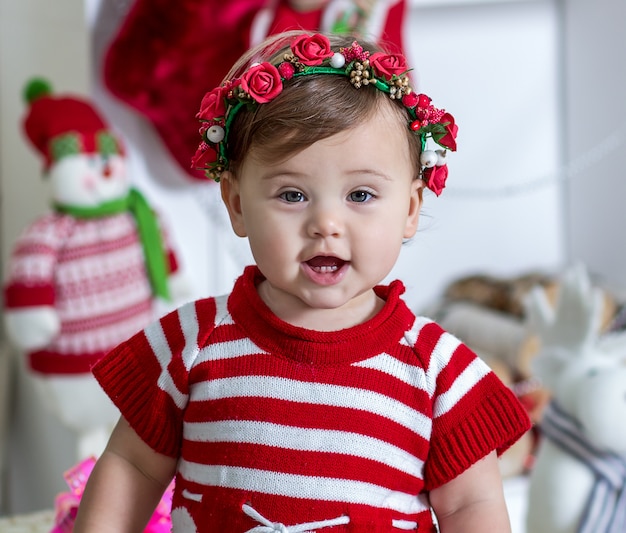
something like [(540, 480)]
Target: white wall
[(595, 77), (492, 64)]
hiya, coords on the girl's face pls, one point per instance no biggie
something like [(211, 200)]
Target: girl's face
[(327, 224)]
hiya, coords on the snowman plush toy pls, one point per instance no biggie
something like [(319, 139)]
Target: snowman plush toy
[(87, 275)]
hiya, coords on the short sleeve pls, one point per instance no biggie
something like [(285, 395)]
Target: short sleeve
[(473, 412), (148, 376)]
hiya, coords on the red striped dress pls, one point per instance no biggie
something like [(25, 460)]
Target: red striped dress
[(277, 426)]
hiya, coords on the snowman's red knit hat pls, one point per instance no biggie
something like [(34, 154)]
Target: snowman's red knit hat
[(58, 126)]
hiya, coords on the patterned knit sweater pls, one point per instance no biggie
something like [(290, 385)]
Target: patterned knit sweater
[(275, 424), (92, 271)]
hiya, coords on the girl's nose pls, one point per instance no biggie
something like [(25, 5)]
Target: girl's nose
[(325, 222)]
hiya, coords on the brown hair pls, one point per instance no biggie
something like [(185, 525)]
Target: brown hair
[(310, 108)]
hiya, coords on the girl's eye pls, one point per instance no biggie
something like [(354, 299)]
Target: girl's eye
[(360, 196), (293, 196)]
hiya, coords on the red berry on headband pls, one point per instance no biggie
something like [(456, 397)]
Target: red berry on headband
[(286, 70), (423, 100), (410, 100)]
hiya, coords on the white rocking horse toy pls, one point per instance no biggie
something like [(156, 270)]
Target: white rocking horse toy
[(578, 482)]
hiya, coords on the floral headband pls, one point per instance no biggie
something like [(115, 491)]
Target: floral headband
[(312, 54)]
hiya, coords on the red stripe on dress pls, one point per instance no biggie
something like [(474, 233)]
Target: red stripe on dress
[(460, 360), (301, 463), (362, 378), (308, 415), (427, 338)]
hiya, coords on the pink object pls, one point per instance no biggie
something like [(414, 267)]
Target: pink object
[(66, 503)]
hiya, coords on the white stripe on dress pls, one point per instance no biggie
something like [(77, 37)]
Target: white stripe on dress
[(305, 439), (410, 374), (465, 381), (315, 393), (299, 486), (161, 349), (229, 350)]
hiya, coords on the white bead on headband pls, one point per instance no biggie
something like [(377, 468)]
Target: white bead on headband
[(312, 54)]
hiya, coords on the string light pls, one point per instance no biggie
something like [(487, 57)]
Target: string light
[(576, 168)]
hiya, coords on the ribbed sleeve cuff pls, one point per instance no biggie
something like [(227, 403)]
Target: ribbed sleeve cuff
[(130, 383), (496, 423)]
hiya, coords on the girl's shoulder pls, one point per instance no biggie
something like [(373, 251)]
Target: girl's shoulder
[(200, 317), (427, 337), (436, 348)]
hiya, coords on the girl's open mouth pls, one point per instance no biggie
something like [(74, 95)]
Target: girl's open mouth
[(325, 270)]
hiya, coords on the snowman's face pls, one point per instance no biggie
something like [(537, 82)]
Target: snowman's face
[(88, 180)]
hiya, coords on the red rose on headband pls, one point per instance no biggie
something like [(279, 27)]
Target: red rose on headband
[(435, 178), (262, 82), (213, 105), (386, 65), (449, 138), (311, 50), (204, 156)]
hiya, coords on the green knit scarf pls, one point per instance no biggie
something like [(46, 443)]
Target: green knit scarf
[(147, 226)]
